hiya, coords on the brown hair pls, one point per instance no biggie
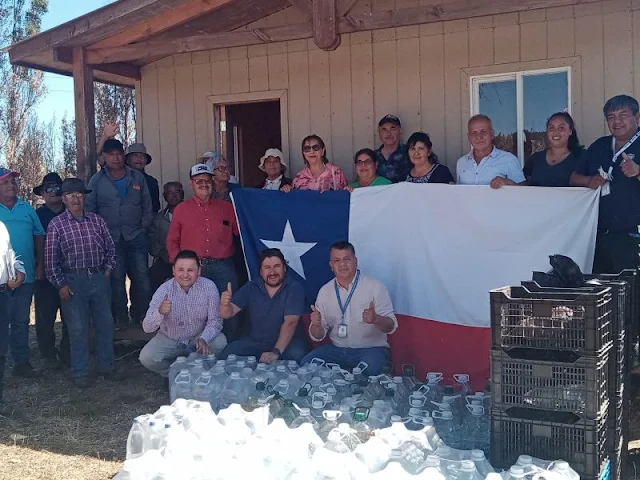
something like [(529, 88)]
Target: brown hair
[(317, 138)]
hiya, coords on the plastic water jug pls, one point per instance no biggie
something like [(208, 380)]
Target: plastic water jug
[(468, 471), (181, 386), (252, 362), (202, 388), (137, 441), (287, 412), (235, 390), (409, 456), (210, 361), (476, 429), (304, 374), (482, 464), (562, 468), (446, 428), (175, 367), (304, 416), (331, 418), (515, 472)]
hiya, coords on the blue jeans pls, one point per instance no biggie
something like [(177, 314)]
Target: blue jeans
[(91, 300), (221, 272), (47, 302), (348, 358), (15, 310), (131, 258), (247, 346)]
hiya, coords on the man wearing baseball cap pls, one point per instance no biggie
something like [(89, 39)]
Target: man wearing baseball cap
[(206, 226), (45, 294), (272, 163), (120, 195), (27, 236), (136, 157), (80, 256), (392, 157)]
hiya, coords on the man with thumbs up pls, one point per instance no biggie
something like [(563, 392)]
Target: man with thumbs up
[(184, 311), (274, 303), (356, 311)]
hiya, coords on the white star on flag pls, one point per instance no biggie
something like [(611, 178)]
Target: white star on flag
[(291, 249)]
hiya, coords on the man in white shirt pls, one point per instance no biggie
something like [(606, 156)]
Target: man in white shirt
[(12, 274), (485, 164), (357, 313)]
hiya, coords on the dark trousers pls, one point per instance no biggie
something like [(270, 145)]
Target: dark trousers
[(47, 301), (221, 272), (159, 272), (91, 299), (15, 309), (615, 252), (247, 346), (131, 259)]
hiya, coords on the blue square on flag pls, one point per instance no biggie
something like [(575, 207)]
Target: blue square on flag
[(301, 224)]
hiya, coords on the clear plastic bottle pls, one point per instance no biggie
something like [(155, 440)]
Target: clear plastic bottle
[(436, 389), (468, 471), (176, 366), (236, 390), (281, 372), (287, 412), (335, 443), (317, 409), (252, 362), (196, 367), (304, 374), (137, 441), (409, 456), (475, 430), (282, 387), (377, 415), (202, 388), (331, 418), (209, 361), (304, 416), (232, 357), (218, 379), (516, 472), (361, 423), (447, 428), (181, 387), (562, 468), (482, 464)]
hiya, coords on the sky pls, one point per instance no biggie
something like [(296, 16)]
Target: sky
[(59, 98)]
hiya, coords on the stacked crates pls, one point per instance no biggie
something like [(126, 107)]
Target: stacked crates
[(549, 371)]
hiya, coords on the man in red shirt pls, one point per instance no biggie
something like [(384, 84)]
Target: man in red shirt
[(206, 226)]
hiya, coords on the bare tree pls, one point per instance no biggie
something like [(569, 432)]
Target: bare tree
[(69, 152), (116, 104)]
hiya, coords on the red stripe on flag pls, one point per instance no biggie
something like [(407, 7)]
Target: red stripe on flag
[(433, 346)]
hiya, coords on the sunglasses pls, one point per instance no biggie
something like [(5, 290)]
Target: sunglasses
[(52, 189), (315, 147)]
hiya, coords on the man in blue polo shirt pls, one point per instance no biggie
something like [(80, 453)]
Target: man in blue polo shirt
[(27, 235), (274, 302), (611, 162)]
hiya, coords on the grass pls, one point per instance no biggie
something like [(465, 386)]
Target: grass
[(69, 434)]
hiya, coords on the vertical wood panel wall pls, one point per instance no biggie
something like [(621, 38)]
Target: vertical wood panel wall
[(415, 72)]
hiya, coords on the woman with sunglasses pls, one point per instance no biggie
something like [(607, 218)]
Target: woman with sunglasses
[(365, 160), (319, 174)]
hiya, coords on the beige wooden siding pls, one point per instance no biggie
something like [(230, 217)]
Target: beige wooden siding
[(420, 73)]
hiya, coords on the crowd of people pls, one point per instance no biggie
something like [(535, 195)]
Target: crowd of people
[(74, 253)]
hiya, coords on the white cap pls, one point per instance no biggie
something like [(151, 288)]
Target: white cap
[(272, 152), (477, 455), (200, 168), (524, 460)]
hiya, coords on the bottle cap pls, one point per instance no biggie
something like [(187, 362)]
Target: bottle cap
[(397, 379), (468, 466), (235, 375), (561, 465), (396, 419), (232, 357), (305, 411), (525, 460), (317, 404), (357, 371), (516, 470), (252, 359), (477, 455)]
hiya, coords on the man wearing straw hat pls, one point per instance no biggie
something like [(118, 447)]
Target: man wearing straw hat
[(273, 164)]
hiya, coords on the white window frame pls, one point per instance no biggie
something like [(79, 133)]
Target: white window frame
[(474, 95)]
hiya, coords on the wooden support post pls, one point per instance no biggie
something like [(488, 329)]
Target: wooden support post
[(325, 24), (85, 115)]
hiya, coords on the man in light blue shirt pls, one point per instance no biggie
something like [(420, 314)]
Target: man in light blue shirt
[(26, 235), (485, 164)]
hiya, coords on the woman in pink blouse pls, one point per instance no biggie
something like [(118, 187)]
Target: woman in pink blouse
[(319, 174)]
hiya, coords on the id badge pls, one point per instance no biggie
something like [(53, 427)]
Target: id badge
[(342, 331), (606, 188)]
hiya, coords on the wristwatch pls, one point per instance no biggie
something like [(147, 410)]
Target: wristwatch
[(276, 351)]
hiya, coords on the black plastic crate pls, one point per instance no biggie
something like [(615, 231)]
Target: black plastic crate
[(578, 386), (618, 364), (619, 461), (618, 419), (577, 321), (582, 443), (621, 304)]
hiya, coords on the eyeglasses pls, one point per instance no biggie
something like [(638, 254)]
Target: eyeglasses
[(221, 168), (52, 189), (203, 181), (315, 147), (364, 163), (74, 195)]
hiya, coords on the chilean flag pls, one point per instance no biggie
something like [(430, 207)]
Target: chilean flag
[(438, 249)]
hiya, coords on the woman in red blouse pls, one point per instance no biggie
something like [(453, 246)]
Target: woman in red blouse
[(319, 174)]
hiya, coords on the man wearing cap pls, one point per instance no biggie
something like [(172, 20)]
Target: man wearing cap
[(161, 271), (12, 275), (392, 157), (120, 195), (80, 256), (27, 236), (44, 293), (137, 158), (206, 226), (272, 163)]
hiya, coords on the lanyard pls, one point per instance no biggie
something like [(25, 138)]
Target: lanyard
[(343, 308), (621, 151)]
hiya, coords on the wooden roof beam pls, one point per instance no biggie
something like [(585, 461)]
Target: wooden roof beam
[(325, 24), (162, 23), (454, 10), (304, 6), (345, 7), (122, 69)]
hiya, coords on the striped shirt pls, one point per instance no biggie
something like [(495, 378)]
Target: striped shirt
[(77, 243), (194, 314)]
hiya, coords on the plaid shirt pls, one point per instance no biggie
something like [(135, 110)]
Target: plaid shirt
[(77, 243), (397, 166), (194, 314)]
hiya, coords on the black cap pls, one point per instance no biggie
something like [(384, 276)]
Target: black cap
[(51, 177), (112, 144), (389, 119), (72, 185)]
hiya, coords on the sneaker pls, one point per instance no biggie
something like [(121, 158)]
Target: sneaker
[(82, 382), (51, 363), (25, 370)]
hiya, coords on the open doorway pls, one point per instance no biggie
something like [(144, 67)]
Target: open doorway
[(246, 130)]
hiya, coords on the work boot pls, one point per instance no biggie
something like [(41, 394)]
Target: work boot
[(25, 370)]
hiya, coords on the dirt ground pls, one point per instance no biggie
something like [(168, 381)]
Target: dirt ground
[(68, 434)]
